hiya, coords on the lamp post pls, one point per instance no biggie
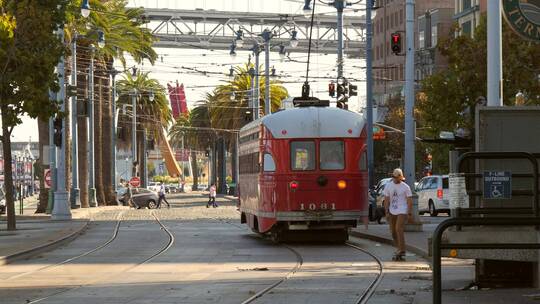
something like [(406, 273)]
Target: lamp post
[(114, 72), (61, 210), (134, 131), (369, 93), (75, 192), (91, 160), (256, 97), (267, 35)]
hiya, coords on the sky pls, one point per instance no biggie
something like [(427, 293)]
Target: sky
[(172, 63)]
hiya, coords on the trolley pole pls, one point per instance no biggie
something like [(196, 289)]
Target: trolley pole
[(369, 93), (339, 5)]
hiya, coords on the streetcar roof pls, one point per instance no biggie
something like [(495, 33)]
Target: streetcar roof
[(311, 122)]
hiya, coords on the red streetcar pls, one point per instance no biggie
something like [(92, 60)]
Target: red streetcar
[(303, 169)]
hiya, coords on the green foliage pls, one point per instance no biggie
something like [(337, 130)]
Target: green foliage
[(165, 179), (451, 91), (29, 52)]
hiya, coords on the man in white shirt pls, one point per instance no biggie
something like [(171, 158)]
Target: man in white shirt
[(398, 207), (162, 196)]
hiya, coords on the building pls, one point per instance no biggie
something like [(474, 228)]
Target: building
[(467, 14), (388, 68)]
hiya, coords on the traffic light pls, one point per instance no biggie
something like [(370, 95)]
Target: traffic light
[(57, 139), (332, 89), (396, 43), (71, 90), (353, 90)]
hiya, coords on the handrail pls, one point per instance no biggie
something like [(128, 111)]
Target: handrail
[(491, 221)]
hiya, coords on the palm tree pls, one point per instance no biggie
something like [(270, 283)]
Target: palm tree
[(197, 132), (152, 110), (228, 106)]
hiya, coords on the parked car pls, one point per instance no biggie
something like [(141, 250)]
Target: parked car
[(376, 199), (433, 195), (2, 202), (171, 188), (202, 187), (153, 186), (145, 198)]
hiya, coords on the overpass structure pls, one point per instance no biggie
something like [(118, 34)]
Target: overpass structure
[(216, 30)]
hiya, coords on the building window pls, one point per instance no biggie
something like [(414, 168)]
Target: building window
[(466, 4), (396, 18), (466, 28), (401, 16), (434, 36)]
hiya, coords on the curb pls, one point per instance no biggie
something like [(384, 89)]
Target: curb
[(28, 253), (418, 251)]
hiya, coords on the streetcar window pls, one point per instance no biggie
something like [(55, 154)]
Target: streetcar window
[(362, 164), (268, 163), (303, 155), (332, 155)]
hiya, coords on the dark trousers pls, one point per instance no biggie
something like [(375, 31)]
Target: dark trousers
[(212, 201), (162, 198)]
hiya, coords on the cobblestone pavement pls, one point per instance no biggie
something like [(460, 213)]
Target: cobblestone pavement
[(213, 259)]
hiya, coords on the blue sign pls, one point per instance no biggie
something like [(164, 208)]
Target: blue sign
[(497, 185), (161, 168)]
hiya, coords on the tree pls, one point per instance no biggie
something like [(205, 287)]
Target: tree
[(451, 92), (153, 116), (29, 52)]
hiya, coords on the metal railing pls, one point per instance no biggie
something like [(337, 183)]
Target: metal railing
[(462, 214)]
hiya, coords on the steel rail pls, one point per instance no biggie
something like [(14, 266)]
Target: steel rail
[(366, 295)]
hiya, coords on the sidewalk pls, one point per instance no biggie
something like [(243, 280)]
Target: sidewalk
[(456, 273), (37, 233)]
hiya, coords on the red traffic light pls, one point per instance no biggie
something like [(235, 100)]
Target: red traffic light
[(332, 89), (396, 43)]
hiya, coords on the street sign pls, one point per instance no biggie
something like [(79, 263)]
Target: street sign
[(135, 182), (48, 178), (497, 185), (458, 191), (378, 133)]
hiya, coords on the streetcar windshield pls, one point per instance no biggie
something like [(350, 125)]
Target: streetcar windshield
[(332, 155), (303, 155)]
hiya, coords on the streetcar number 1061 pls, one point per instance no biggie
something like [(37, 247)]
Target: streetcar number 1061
[(321, 206)]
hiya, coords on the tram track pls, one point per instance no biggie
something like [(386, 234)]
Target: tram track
[(161, 251), (103, 245), (366, 295)]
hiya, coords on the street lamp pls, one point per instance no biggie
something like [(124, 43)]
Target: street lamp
[(307, 9), (239, 38), (101, 39), (294, 39), (85, 9)]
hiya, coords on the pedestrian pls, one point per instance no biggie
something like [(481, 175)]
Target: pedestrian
[(398, 207), (129, 196), (162, 191), (212, 196)]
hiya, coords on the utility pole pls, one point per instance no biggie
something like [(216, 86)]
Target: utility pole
[(339, 5), (410, 127), (75, 192), (114, 72), (61, 210), (143, 162), (134, 132), (257, 51), (252, 92), (267, 35), (91, 165), (494, 51), (52, 158), (369, 93)]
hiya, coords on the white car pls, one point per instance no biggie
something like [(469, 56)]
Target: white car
[(154, 186), (433, 195)]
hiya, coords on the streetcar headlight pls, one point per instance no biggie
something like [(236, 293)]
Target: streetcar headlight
[(341, 184)]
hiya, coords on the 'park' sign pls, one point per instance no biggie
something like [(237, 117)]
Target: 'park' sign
[(523, 17)]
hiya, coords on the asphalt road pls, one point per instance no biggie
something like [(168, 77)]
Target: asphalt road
[(193, 254)]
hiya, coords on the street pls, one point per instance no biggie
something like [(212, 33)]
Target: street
[(203, 255)]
